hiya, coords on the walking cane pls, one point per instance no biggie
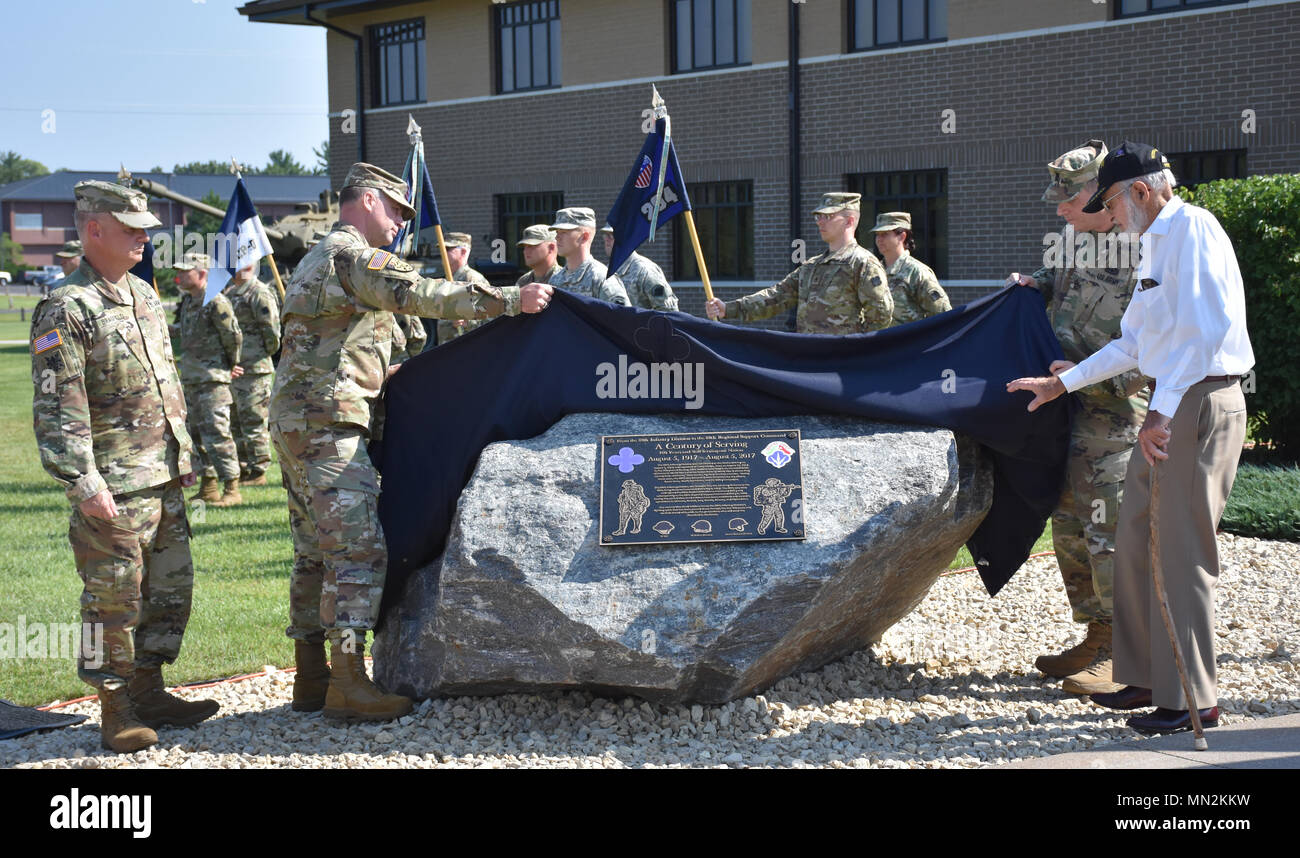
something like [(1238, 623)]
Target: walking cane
[(1157, 574)]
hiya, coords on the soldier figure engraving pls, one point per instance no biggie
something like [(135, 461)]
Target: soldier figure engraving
[(632, 504), (258, 315), (917, 293), (574, 229), (771, 497), (642, 279)]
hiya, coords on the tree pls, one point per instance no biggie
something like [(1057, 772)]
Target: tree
[(284, 164), (322, 158), (202, 222), (211, 168), (14, 167), (11, 253)]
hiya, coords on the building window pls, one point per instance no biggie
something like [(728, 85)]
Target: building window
[(889, 23), (397, 62), (28, 220), (1131, 8), (528, 45), (923, 194), (710, 34), (515, 212), (724, 219), (1195, 168)]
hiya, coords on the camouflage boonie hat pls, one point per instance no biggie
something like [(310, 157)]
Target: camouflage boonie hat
[(71, 250), (191, 261), (538, 233), (832, 203), (457, 239), (363, 175), (127, 205), (1073, 170), (890, 221), (575, 218)]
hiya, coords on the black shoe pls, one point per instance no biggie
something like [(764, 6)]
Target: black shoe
[(1128, 697), (1173, 720)]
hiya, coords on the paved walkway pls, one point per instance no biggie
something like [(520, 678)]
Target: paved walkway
[(1261, 743)]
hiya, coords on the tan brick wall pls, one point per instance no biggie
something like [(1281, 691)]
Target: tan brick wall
[(822, 27), (458, 36), (599, 46), (967, 18)]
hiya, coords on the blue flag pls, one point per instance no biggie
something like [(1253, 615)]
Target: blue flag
[(630, 216), (241, 241), (420, 196), (144, 268)]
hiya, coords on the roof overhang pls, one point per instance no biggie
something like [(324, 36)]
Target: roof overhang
[(310, 13)]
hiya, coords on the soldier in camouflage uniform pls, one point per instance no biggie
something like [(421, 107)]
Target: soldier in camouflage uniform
[(1085, 302), (409, 337), (574, 229), (338, 331), (641, 278), (842, 291), (540, 252), (211, 343), (917, 293), (109, 417), (458, 248), (258, 316), (69, 256)]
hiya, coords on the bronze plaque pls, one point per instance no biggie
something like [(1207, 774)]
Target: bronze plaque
[(700, 487)]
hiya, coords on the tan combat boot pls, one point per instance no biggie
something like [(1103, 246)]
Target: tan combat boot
[(259, 480), (231, 495), (351, 695), (1077, 657), (1093, 679), (313, 677), (156, 708), (119, 728), (209, 491)]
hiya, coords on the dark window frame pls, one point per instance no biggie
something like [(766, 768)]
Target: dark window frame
[(932, 235), (525, 215), (876, 45), (394, 34), (674, 59), (1179, 162), (524, 15), (1117, 7), (704, 207)]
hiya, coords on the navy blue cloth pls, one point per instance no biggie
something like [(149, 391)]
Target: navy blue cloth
[(516, 376), (428, 204), (632, 211), (144, 268)]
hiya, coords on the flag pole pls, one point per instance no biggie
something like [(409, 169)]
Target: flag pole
[(699, 254), (270, 257), (661, 112), (417, 177)]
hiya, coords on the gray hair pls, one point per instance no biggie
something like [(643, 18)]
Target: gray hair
[(1155, 181)]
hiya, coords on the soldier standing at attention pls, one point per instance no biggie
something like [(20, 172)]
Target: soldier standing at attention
[(458, 248), (69, 256), (110, 427), (258, 316), (917, 293), (574, 229), (641, 278), (1085, 302), (540, 252), (842, 291), (210, 347), (338, 331)]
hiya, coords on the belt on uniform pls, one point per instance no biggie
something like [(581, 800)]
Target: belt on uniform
[(1204, 380)]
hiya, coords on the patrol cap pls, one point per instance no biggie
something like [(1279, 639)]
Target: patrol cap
[(363, 175), (1073, 170), (538, 233), (607, 229), (838, 202), (575, 218), (71, 250), (129, 206), (457, 239), (890, 221), (1130, 161), (191, 261)]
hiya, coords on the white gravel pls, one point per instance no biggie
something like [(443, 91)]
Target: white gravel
[(951, 686)]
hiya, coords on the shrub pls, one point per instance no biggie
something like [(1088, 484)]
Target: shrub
[(1265, 503)]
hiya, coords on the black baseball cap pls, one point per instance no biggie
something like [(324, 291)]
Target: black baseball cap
[(1129, 161)]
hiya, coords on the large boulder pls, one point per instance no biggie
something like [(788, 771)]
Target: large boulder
[(525, 598)]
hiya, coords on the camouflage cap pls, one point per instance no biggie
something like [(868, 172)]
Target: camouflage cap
[(457, 239), (838, 202), (127, 205), (363, 175), (71, 250), (890, 221), (607, 229), (1073, 170), (191, 261), (575, 218), (538, 233)]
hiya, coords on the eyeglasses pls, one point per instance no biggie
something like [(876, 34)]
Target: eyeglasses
[(1106, 202)]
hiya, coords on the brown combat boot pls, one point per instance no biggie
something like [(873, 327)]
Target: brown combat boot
[(1079, 656), (209, 491), (231, 495), (259, 480), (313, 677), (351, 695), (1093, 679), (156, 708), (119, 728)]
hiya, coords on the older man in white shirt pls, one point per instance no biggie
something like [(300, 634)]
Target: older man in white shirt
[(1185, 328)]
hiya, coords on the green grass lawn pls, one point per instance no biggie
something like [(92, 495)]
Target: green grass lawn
[(15, 325)]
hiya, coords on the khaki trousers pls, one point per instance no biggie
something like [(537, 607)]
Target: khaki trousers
[(1205, 444)]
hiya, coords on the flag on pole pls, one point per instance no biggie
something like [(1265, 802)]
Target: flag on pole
[(419, 193), (653, 194), (144, 268), (241, 241)]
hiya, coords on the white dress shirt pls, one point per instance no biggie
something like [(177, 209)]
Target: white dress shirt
[(1187, 318)]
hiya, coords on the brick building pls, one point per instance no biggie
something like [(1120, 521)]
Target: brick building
[(947, 109)]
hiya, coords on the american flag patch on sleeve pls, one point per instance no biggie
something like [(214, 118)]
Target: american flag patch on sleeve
[(378, 260), (46, 341)]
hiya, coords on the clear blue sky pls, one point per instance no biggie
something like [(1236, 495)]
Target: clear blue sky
[(157, 82)]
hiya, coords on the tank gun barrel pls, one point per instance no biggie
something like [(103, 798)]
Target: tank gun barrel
[(158, 190)]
